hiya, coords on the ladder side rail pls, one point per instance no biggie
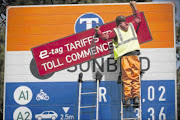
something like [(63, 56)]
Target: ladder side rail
[(121, 82), (122, 115), (97, 101), (79, 101), (140, 104)]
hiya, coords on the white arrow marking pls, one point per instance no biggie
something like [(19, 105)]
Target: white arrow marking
[(65, 109)]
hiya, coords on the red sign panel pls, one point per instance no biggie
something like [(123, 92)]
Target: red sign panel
[(79, 48)]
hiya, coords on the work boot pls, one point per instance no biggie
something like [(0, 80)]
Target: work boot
[(127, 102), (136, 101)]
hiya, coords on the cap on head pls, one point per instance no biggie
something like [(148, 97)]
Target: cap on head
[(120, 19)]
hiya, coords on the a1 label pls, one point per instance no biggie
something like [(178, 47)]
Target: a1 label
[(23, 95)]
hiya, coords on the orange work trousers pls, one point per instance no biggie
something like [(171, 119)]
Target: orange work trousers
[(130, 67)]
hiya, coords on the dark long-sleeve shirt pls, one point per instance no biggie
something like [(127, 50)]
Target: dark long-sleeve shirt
[(112, 35)]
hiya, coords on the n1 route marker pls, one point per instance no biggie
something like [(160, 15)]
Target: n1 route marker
[(81, 47)]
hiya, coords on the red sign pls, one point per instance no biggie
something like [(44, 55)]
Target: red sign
[(79, 48)]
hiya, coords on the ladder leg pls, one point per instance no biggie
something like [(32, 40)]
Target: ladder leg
[(140, 102), (122, 115), (97, 101), (79, 101), (121, 101)]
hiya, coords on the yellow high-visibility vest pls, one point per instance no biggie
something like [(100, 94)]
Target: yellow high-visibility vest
[(127, 41)]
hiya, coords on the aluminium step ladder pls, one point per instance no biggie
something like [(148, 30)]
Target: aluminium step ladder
[(98, 79), (132, 107)]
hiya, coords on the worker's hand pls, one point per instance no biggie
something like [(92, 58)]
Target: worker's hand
[(133, 3), (97, 28), (96, 31)]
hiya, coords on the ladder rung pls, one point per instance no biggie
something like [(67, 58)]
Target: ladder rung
[(88, 106), (89, 81), (131, 118), (88, 93), (132, 105)]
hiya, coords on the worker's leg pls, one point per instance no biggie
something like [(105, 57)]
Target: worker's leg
[(135, 76), (126, 77)]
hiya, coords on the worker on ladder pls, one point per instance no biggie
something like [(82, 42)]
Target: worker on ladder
[(126, 47)]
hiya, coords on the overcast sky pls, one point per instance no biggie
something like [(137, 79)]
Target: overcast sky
[(177, 2)]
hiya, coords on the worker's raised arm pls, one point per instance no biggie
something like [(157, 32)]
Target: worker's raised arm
[(133, 6), (137, 18), (105, 36)]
